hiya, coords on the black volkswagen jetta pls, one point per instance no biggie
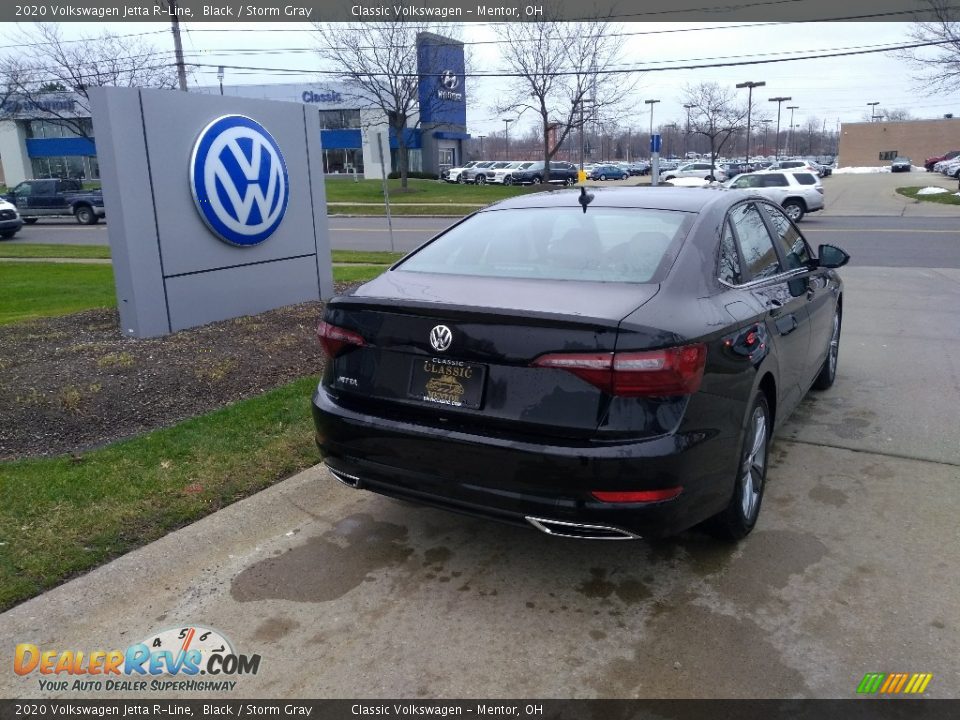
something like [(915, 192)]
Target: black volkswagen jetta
[(598, 366)]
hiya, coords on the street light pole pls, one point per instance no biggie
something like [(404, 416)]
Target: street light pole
[(791, 108), (654, 156), (873, 108), (686, 136), (766, 126), (750, 86), (506, 133), (480, 138), (779, 101)]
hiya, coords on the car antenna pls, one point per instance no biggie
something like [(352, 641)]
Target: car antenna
[(585, 198)]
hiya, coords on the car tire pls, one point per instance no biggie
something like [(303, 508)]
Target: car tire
[(85, 215), (740, 516), (7, 234), (794, 210), (828, 373), (508, 180), (537, 179), (709, 178), (30, 221), (668, 178), (603, 177), (461, 180)]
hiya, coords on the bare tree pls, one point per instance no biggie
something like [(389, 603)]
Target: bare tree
[(48, 63), (565, 75), (938, 66), (380, 61), (891, 115), (715, 115)]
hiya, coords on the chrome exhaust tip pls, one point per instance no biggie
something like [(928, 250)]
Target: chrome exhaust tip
[(351, 481), (580, 531)]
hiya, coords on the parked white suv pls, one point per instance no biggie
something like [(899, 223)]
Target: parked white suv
[(695, 170), (504, 175), (796, 192), (453, 174)]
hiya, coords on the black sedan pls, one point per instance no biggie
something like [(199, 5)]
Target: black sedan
[(901, 164), (608, 365)]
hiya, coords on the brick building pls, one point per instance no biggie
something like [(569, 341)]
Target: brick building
[(876, 143)]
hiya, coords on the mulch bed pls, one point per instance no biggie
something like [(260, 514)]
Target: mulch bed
[(73, 383)]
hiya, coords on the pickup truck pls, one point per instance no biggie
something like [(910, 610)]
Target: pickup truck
[(51, 198)]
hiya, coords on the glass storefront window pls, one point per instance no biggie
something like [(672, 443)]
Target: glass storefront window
[(75, 166), (342, 161), (339, 119)]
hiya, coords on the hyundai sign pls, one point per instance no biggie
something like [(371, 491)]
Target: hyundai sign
[(239, 180)]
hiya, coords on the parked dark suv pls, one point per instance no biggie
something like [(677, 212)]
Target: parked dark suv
[(562, 172)]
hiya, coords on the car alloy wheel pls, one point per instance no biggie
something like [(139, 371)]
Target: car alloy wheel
[(828, 373), (603, 177), (537, 179), (794, 210), (508, 180), (85, 216), (739, 517), (461, 180), (481, 180)]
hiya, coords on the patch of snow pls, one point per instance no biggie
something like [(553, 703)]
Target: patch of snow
[(860, 170), (932, 191)]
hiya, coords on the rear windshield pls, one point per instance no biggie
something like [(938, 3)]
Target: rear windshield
[(806, 178), (607, 244)]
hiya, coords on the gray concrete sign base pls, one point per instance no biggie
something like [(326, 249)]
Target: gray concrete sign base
[(852, 568)]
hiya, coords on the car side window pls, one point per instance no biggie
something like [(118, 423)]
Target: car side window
[(729, 264), (805, 178), (23, 189), (774, 180), (755, 242), (793, 246)]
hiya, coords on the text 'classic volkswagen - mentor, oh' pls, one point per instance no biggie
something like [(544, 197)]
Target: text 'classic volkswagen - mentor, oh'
[(599, 366)]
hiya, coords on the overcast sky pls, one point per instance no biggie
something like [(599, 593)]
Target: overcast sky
[(831, 89)]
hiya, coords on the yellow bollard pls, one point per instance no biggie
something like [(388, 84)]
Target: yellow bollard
[(581, 176)]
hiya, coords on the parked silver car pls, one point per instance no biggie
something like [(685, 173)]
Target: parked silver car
[(796, 192)]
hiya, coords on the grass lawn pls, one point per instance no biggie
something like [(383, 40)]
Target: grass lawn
[(32, 290), (419, 191), (62, 516), (43, 250), (947, 198)]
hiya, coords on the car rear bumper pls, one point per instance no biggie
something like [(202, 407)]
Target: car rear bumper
[(13, 224), (514, 480)]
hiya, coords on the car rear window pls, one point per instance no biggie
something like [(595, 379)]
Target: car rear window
[(634, 245), (806, 178)]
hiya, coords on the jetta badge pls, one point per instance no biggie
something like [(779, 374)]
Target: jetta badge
[(440, 338)]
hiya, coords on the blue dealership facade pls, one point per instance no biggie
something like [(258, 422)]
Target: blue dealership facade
[(51, 135)]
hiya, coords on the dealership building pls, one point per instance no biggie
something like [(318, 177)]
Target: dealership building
[(876, 143), (52, 135)]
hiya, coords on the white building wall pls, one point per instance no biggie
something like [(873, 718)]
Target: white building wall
[(13, 153)]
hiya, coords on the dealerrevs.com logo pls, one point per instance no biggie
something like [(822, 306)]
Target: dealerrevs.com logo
[(184, 659)]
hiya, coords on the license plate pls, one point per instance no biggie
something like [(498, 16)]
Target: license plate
[(444, 381)]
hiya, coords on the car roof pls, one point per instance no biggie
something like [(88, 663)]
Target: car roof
[(658, 198)]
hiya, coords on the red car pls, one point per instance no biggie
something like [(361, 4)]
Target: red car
[(930, 162)]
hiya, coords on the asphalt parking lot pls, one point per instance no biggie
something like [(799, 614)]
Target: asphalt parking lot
[(852, 567)]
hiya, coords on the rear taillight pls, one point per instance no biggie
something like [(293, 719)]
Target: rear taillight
[(636, 496), (651, 373), (334, 339)]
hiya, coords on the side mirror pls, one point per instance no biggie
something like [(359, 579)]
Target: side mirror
[(832, 257)]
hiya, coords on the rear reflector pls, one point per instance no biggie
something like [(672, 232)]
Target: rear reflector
[(652, 373), (333, 339), (639, 496)]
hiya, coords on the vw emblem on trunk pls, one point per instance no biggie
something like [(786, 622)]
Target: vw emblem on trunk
[(440, 338), (239, 180)]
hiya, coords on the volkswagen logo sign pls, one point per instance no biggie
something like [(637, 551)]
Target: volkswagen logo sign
[(239, 180), (449, 80), (440, 338)]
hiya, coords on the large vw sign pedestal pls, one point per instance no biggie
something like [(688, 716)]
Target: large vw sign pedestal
[(216, 206)]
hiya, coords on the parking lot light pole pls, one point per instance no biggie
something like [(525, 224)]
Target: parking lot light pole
[(766, 126), (654, 157), (480, 138), (686, 136), (873, 109), (750, 85), (779, 101), (506, 134), (791, 108)]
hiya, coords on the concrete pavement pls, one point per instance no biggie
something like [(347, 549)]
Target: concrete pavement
[(875, 195), (346, 594)]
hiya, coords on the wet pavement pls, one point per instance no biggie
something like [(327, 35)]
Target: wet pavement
[(851, 569)]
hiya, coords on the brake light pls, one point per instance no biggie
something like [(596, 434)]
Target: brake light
[(638, 496), (652, 373), (333, 339)]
